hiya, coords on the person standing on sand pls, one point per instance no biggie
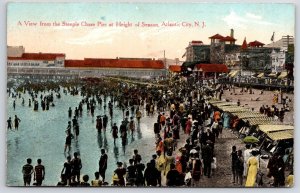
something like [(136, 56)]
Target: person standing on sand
[(239, 167), (247, 155), (253, 166), (234, 158)]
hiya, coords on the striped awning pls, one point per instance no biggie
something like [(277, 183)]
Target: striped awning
[(278, 132), (236, 110), (248, 114), (260, 120), (261, 75), (273, 74), (282, 75), (271, 128), (281, 135), (234, 73)]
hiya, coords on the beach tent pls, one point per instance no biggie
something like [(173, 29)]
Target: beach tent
[(233, 73), (248, 114), (261, 75), (278, 132), (283, 75), (260, 120), (272, 75)]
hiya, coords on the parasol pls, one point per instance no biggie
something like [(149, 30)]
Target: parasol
[(193, 151), (250, 139)]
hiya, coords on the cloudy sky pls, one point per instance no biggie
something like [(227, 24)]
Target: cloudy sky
[(253, 21)]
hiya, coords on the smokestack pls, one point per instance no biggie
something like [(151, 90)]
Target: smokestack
[(231, 33)]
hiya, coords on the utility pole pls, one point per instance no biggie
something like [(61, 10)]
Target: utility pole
[(165, 62), (286, 42)]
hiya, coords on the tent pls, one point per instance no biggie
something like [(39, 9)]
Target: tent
[(248, 114), (281, 135), (260, 120), (270, 128), (278, 132), (272, 75), (233, 73), (283, 75), (261, 75)]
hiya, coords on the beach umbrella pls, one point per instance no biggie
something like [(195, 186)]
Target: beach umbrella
[(250, 139)]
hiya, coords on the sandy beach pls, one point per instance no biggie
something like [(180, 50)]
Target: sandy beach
[(257, 99)]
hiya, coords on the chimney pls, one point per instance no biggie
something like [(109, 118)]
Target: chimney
[(231, 33)]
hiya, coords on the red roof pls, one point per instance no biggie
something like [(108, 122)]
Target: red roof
[(74, 63), (212, 67), (198, 42), (115, 63), (255, 44), (216, 36), (38, 56), (175, 68), (228, 38), (244, 45)]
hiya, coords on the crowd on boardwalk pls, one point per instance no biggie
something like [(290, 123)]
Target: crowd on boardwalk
[(186, 130)]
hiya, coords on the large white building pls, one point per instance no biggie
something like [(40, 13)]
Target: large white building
[(278, 60), (55, 64), (37, 60), (279, 56)]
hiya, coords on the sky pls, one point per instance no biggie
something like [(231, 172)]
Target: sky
[(250, 21)]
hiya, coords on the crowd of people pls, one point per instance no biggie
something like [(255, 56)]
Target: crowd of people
[(186, 130)]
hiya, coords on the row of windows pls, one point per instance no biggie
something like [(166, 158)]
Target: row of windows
[(22, 64), (68, 71), (30, 63)]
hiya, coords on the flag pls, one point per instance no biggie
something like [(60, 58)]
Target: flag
[(184, 54), (272, 38)]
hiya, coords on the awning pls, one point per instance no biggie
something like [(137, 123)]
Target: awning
[(248, 114), (278, 132), (270, 128), (273, 74), (281, 135), (235, 109), (261, 75), (260, 120), (234, 73), (282, 75)]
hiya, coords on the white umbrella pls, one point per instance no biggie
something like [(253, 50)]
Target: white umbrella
[(193, 151), (189, 69)]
